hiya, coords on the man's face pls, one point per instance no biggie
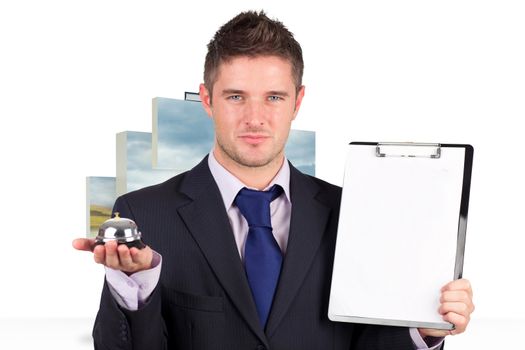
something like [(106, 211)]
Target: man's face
[(254, 103)]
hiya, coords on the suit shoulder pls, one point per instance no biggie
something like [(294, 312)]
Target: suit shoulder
[(151, 201), (322, 189), (325, 185), (326, 189)]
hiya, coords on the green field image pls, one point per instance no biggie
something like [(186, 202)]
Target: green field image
[(98, 214), (100, 196)]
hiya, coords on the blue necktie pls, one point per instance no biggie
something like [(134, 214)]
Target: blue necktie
[(262, 255)]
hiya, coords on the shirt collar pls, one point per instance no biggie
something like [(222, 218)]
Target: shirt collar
[(229, 185)]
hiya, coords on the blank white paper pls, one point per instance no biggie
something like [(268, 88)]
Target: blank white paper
[(397, 237)]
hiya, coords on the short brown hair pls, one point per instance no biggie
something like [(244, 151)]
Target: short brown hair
[(252, 34)]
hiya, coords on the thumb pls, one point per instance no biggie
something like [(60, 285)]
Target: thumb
[(85, 244), (429, 332)]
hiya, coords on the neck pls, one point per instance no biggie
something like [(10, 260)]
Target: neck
[(258, 177)]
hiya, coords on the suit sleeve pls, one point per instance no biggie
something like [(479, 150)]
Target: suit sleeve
[(372, 337), (118, 328)]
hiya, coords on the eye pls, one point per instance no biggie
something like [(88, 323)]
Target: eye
[(235, 97), (275, 98)]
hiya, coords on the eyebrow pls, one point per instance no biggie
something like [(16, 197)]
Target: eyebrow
[(278, 93), (241, 92), (232, 92)]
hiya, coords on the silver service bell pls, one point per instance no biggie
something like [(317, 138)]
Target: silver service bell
[(122, 230)]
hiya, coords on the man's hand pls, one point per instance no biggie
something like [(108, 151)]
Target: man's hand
[(456, 307), (118, 257)]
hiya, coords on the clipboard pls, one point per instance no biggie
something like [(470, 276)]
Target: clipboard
[(401, 233)]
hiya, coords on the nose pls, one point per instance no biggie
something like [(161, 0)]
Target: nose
[(254, 113)]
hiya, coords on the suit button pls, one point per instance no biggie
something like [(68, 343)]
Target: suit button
[(261, 347)]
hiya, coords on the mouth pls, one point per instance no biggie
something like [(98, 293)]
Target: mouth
[(253, 139)]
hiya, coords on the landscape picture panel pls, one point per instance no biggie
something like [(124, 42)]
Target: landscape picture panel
[(300, 150), (182, 133), (100, 196), (134, 164)]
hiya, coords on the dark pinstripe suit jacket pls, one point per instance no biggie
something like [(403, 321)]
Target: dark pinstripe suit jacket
[(203, 300)]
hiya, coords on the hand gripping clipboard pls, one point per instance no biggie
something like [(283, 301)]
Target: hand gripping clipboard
[(401, 234)]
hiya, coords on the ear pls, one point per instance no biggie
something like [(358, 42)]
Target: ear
[(298, 100), (205, 99)]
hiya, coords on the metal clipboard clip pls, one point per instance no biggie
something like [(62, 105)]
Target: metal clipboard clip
[(408, 149)]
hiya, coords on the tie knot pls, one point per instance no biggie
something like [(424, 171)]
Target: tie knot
[(255, 205)]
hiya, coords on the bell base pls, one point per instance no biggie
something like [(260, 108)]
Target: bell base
[(133, 244)]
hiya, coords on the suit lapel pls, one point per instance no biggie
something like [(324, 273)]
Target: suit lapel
[(208, 222), (307, 227)]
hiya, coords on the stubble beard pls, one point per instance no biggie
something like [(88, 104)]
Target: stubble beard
[(247, 161)]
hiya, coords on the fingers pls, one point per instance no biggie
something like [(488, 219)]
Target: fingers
[(124, 256), (99, 254), (456, 307), (461, 284), (455, 295), (142, 257), (112, 256), (456, 304), (120, 257), (456, 301), (137, 255)]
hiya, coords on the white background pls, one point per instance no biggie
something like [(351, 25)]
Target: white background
[(74, 73)]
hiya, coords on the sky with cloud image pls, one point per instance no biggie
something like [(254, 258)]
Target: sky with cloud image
[(101, 191), (139, 171), (300, 150), (185, 133)]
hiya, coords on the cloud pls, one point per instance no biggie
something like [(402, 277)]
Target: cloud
[(139, 178), (139, 171), (101, 190), (300, 150), (185, 133)]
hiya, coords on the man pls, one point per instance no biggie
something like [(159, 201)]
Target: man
[(213, 281)]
